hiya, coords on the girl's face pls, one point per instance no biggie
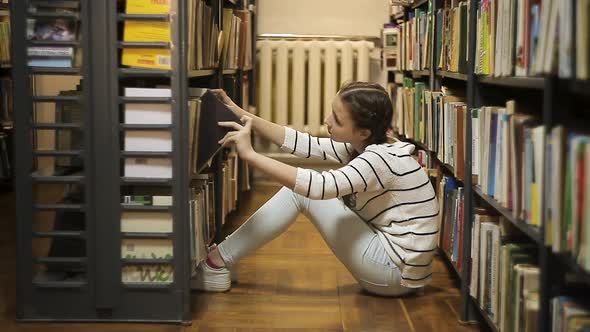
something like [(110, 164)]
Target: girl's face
[(341, 126)]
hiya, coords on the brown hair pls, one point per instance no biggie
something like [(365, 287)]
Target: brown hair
[(370, 108)]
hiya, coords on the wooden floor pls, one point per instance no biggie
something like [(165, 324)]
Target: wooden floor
[(294, 283)]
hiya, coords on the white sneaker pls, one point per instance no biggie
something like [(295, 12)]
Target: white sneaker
[(211, 279), (233, 270)]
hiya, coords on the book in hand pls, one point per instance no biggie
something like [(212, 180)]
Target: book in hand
[(213, 111)]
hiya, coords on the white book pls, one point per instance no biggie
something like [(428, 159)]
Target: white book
[(162, 200), (148, 113), (483, 268), (566, 21), (150, 222), (520, 68), (538, 135), (582, 43), (494, 273), (555, 161), (152, 140), (148, 167), (147, 274), (537, 66), (475, 236)]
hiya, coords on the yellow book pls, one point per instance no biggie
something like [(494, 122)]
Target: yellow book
[(148, 7), (147, 58), (141, 31)]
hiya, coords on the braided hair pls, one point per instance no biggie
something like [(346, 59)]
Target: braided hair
[(370, 108)]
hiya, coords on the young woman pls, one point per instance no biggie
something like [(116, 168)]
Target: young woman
[(378, 213)]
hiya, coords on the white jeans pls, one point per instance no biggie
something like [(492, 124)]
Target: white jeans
[(354, 243)]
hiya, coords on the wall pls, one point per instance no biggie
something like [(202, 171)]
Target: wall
[(324, 17), (327, 17)]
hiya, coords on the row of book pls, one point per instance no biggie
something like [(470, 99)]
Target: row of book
[(4, 38), (203, 36), (504, 275), (237, 43), (450, 194), (566, 210), (433, 118), (525, 38), (508, 155), (408, 46)]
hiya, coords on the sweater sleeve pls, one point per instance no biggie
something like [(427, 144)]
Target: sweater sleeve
[(364, 173), (305, 145)]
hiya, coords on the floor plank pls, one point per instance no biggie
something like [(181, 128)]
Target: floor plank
[(294, 283)]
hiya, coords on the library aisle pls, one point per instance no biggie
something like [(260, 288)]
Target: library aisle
[(281, 285)]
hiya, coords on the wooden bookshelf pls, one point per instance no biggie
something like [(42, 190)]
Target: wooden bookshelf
[(581, 88), (449, 262), (420, 73), (202, 72), (452, 75), (573, 267), (514, 82), (417, 3), (546, 97), (530, 231), (484, 316)]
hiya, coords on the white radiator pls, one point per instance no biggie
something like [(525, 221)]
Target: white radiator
[(297, 80)]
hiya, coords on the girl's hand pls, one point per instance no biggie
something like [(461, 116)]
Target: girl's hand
[(221, 95), (241, 137)]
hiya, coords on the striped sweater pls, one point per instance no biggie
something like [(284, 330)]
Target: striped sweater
[(391, 192)]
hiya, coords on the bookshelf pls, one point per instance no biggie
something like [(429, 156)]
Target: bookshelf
[(6, 113), (551, 100), (83, 226)]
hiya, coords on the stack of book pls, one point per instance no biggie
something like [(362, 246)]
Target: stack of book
[(148, 140), (147, 31), (532, 37), (57, 30), (138, 248)]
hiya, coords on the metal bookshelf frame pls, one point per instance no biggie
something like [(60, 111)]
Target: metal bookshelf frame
[(552, 89), (102, 296)]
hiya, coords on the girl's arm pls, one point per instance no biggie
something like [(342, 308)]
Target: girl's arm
[(268, 130)]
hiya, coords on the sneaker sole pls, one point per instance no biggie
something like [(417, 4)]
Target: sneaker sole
[(220, 287)]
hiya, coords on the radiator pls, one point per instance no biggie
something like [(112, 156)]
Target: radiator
[(297, 80)]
